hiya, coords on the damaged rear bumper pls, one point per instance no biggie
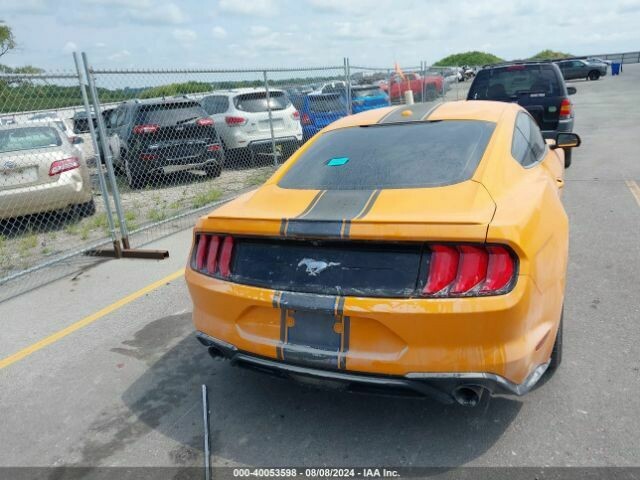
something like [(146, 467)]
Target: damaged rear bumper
[(439, 386)]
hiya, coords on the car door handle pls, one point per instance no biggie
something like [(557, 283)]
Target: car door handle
[(560, 182)]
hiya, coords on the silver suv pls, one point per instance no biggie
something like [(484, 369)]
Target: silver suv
[(241, 117), (573, 69)]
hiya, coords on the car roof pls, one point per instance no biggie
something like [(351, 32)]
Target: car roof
[(460, 110), (155, 101), (240, 91), (32, 123)]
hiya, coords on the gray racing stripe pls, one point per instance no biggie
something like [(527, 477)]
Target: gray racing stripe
[(419, 111), (327, 216)]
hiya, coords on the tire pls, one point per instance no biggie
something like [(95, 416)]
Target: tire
[(214, 171), (567, 157), (593, 75), (136, 178), (86, 209), (556, 353)]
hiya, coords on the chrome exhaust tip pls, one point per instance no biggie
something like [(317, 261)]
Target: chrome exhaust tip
[(468, 395)]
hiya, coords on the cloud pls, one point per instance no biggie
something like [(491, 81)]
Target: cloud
[(218, 32), (36, 7), (119, 56), (163, 14), (69, 47), (184, 35), (629, 6), (100, 45), (257, 8), (259, 30)]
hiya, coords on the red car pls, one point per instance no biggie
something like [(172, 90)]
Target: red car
[(427, 87)]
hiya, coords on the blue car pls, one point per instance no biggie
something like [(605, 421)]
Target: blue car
[(319, 110), (367, 97)]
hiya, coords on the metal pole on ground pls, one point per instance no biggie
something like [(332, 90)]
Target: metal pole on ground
[(101, 180), (273, 138), (207, 435)]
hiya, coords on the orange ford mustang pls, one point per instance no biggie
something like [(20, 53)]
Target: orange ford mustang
[(416, 249)]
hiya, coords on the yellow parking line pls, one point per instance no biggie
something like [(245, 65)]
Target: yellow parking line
[(635, 189), (60, 334)]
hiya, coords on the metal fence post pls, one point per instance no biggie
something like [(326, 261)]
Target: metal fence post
[(273, 138), (423, 85), (102, 132), (347, 84), (94, 141), (389, 77)]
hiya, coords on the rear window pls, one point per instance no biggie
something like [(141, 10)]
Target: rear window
[(408, 155), (215, 104), (326, 103), (512, 82), (366, 92), (167, 114), (28, 138), (257, 102)]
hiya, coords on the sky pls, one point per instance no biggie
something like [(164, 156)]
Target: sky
[(295, 33)]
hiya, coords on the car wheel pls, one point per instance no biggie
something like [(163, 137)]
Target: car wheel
[(593, 75), (86, 209), (567, 157), (214, 171), (136, 178), (118, 167), (556, 353)]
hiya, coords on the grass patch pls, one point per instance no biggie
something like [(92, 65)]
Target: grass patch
[(259, 178), (27, 243), (72, 229), (85, 230), (157, 214), (130, 220), (206, 198)]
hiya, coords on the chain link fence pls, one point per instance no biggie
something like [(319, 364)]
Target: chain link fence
[(49, 208), (102, 160), (182, 140)]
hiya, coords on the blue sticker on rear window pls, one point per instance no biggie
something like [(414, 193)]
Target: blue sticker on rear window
[(337, 161)]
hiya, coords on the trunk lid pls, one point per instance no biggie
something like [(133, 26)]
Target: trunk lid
[(456, 212)]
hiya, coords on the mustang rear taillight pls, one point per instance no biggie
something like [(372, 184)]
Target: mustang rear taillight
[(213, 254), (469, 270)]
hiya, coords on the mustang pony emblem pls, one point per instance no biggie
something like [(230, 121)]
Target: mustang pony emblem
[(314, 267)]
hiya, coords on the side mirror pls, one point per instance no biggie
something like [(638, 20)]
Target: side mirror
[(77, 140), (567, 140), (571, 90)]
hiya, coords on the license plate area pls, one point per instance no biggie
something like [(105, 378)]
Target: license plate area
[(314, 330), (12, 178), (316, 334)]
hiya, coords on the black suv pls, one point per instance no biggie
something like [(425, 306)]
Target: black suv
[(155, 137), (537, 86)]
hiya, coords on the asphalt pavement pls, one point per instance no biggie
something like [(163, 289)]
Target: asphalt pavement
[(122, 386)]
